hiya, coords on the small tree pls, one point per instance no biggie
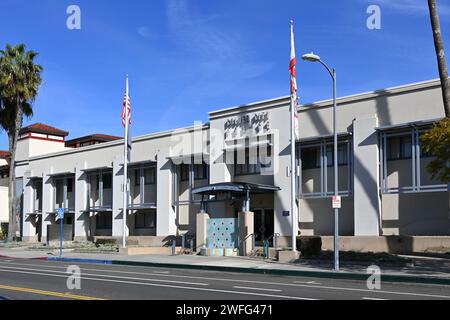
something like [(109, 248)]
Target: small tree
[(437, 142)]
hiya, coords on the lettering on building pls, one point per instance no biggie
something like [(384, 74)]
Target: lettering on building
[(247, 125)]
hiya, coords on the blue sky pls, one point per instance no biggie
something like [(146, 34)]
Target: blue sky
[(188, 57)]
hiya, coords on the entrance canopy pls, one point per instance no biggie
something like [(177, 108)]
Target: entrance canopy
[(234, 188)]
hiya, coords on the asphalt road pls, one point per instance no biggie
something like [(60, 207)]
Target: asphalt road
[(44, 280)]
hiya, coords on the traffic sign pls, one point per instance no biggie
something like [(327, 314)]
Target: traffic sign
[(336, 201)]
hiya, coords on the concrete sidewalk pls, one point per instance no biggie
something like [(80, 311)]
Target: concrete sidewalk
[(424, 270)]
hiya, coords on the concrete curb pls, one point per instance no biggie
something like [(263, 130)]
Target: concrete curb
[(302, 273), (80, 260)]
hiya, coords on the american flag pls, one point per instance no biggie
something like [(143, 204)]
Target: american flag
[(126, 102), (293, 73)]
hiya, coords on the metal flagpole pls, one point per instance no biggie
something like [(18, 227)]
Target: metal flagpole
[(293, 175), (125, 170)]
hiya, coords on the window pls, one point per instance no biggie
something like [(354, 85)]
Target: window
[(145, 219), (107, 181), (200, 171), (404, 163), (64, 193), (143, 194), (399, 147), (247, 162), (137, 177), (310, 157), (316, 160), (37, 195), (184, 172), (103, 220), (69, 185), (342, 155), (100, 190), (149, 176)]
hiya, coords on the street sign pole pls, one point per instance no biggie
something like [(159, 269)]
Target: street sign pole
[(61, 218)]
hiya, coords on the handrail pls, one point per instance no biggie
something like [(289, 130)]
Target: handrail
[(244, 242), (275, 239), (275, 234)]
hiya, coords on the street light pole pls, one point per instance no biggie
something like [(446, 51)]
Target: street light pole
[(315, 58), (336, 185)]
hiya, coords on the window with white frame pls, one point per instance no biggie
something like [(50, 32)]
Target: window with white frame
[(37, 195), (100, 190), (316, 160), (143, 192), (187, 176), (64, 191), (404, 164)]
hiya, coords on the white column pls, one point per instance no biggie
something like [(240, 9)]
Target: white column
[(28, 227), (282, 153), (117, 200), (366, 177), (165, 215), (81, 223), (47, 204)]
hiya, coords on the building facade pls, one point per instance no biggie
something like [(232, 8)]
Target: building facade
[(383, 181)]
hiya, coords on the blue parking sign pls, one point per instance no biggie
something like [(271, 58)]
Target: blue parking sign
[(61, 213)]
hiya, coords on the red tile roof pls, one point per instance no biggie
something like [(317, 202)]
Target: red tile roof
[(44, 128), (96, 137), (4, 154)]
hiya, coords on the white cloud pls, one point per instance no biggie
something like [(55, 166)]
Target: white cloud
[(145, 32)]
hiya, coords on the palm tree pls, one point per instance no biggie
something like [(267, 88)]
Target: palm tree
[(20, 79), (440, 53)]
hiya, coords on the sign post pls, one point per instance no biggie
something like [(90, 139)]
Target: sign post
[(61, 218)]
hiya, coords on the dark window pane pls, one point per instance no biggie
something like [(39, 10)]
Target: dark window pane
[(137, 177), (107, 181), (310, 157), (149, 176)]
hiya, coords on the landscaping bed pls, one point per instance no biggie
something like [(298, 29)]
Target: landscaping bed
[(360, 257)]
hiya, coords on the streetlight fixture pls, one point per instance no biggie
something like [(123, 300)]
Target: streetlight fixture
[(311, 57)]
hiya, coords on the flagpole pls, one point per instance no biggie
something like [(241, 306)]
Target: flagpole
[(125, 170), (294, 219)]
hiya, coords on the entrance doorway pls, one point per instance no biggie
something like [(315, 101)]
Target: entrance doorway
[(263, 225)]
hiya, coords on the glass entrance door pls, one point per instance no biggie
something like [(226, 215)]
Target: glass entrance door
[(263, 225)]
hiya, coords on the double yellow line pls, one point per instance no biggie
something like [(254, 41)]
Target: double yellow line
[(49, 293)]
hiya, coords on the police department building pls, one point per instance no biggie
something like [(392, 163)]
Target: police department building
[(240, 160)]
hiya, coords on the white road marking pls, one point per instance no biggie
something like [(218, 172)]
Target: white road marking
[(165, 285), (110, 276), (163, 272), (247, 281), (307, 282), (262, 289), (368, 298)]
